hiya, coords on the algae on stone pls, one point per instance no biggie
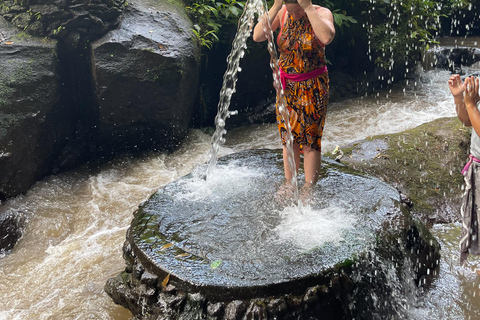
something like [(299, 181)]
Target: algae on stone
[(424, 163)]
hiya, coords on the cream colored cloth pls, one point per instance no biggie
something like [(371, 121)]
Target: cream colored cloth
[(469, 240)]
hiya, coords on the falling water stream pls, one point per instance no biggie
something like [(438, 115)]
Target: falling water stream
[(245, 26)]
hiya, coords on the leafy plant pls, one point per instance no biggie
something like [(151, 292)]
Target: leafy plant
[(400, 30), (207, 38), (341, 19), (339, 15), (210, 16)]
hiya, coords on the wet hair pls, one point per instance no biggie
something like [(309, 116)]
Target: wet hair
[(291, 1)]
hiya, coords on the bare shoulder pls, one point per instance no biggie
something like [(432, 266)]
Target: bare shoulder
[(322, 9), (280, 13)]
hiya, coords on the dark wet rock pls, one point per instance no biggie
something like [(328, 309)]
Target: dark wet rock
[(277, 306), (452, 58), (34, 126), (62, 104), (256, 310), (149, 279), (215, 309), (11, 225), (226, 254), (138, 270), (74, 22), (423, 163), (146, 78), (235, 310), (311, 296)]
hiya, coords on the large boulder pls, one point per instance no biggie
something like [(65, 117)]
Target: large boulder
[(146, 76), (75, 21), (33, 126), (452, 57)]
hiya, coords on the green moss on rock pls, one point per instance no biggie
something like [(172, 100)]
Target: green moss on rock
[(425, 163)]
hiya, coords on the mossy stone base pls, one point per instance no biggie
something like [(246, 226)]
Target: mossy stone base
[(218, 252), (424, 163)]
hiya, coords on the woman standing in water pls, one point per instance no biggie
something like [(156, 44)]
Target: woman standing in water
[(305, 29)]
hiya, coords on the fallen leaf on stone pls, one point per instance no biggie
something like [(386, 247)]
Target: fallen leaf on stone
[(215, 264), (166, 246), (165, 280), (8, 42)]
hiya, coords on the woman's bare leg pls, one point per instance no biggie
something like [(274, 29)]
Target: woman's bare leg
[(286, 165), (312, 162)]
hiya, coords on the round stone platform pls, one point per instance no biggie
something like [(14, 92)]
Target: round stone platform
[(240, 236)]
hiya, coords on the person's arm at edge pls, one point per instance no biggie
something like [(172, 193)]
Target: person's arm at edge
[(471, 99), (456, 87)]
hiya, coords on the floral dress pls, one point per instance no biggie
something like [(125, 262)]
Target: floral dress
[(306, 101)]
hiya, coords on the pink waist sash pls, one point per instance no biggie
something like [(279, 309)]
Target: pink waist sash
[(471, 159), (296, 77)]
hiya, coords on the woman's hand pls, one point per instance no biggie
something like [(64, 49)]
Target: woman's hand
[(471, 89), (304, 3), (456, 85), (278, 3)]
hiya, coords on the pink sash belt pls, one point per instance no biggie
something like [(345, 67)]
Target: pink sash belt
[(470, 160), (296, 77)]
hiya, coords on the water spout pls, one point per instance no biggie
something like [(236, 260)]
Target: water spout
[(244, 30)]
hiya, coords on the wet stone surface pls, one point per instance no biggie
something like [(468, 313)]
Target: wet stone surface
[(234, 246)]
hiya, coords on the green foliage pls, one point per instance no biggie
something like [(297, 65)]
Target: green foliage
[(400, 30), (210, 16), (339, 15)]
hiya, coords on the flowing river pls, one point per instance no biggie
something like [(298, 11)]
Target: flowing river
[(77, 220)]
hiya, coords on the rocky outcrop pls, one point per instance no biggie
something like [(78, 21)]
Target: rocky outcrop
[(232, 247), (423, 163), (11, 224), (453, 58), (33, 126), (62, 103), (64, 100), (74, 21), (146, 78)]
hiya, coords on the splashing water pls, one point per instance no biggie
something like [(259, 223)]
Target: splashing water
[(225, 182), (327, 224), (244, 30)]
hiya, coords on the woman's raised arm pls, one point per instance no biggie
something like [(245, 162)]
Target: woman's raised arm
[(273, 16)]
